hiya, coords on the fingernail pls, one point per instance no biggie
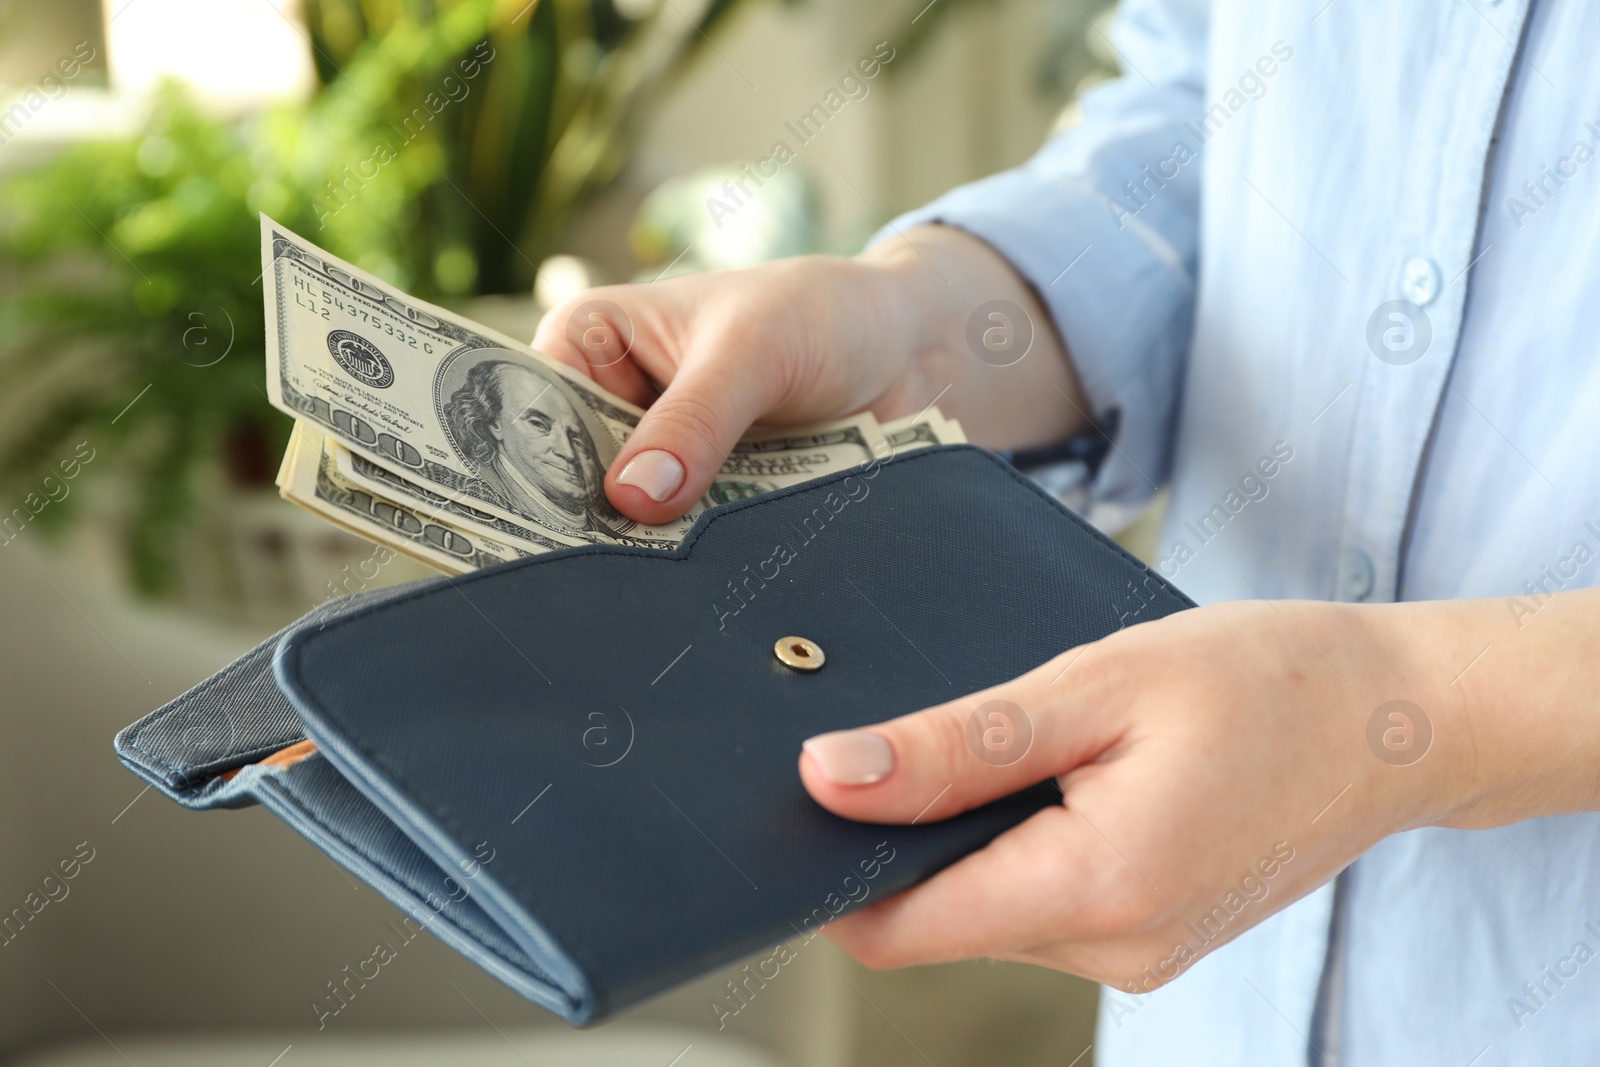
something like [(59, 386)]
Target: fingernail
[(851, 757), (658, 473)]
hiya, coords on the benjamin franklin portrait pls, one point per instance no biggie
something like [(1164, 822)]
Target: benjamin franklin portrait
[(517, 427)]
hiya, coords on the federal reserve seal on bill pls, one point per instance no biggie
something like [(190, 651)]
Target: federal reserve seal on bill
[(361, 359)]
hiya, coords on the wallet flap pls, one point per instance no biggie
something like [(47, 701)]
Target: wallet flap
[(605, 739)]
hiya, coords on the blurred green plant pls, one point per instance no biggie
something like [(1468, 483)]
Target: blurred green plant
[(447, 150)]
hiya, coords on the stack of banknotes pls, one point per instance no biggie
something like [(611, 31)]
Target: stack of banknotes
[(442, 439)]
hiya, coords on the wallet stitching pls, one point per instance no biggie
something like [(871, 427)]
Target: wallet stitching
[(311, 814), (180, 777), (681, 553)]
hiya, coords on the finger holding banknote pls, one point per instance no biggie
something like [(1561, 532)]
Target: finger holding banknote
[(789, 343)]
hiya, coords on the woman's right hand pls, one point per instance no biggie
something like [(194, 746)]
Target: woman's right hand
[(800, 341)]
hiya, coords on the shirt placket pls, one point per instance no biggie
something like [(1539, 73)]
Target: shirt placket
[(1418, 290)]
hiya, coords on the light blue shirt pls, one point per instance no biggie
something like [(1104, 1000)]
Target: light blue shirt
[(1310, 162)]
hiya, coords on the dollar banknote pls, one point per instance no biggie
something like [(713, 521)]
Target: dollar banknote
[(922, 431), (331, 481), (778, 469), (310, 478), (461, 412)]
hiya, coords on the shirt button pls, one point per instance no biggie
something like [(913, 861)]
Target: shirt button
[(1420, 282), (1356, 575)]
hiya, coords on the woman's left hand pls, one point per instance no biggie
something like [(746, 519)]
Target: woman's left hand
[(1215, 765)]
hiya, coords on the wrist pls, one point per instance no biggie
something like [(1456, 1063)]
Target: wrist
[(943, 280), (915, 270), (1511, 699)]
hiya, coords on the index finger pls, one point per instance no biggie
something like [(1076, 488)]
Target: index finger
[(599, 333)]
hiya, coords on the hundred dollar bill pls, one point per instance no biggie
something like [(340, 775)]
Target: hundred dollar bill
[(466, 413), (764, 465), (922, 431), (356, 472), (287, 464), (311, 479), (376, 504)]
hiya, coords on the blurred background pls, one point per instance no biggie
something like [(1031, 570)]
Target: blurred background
[(522, 151)]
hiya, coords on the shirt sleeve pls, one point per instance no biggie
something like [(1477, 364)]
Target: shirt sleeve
[(1104, 223)]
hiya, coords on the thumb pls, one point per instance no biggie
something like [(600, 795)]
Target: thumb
[(684, 438), (936, 763)]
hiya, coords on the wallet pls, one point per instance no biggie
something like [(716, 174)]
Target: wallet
[(579, 769)]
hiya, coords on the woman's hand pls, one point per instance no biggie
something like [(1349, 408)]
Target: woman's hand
[(806, 340), (1217, 765)]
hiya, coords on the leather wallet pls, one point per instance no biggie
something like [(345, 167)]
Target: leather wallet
[(579, 769)]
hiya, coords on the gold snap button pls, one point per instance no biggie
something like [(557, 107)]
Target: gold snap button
[(799, 653)]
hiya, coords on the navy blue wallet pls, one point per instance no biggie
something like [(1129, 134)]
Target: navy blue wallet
[(579, 769)]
